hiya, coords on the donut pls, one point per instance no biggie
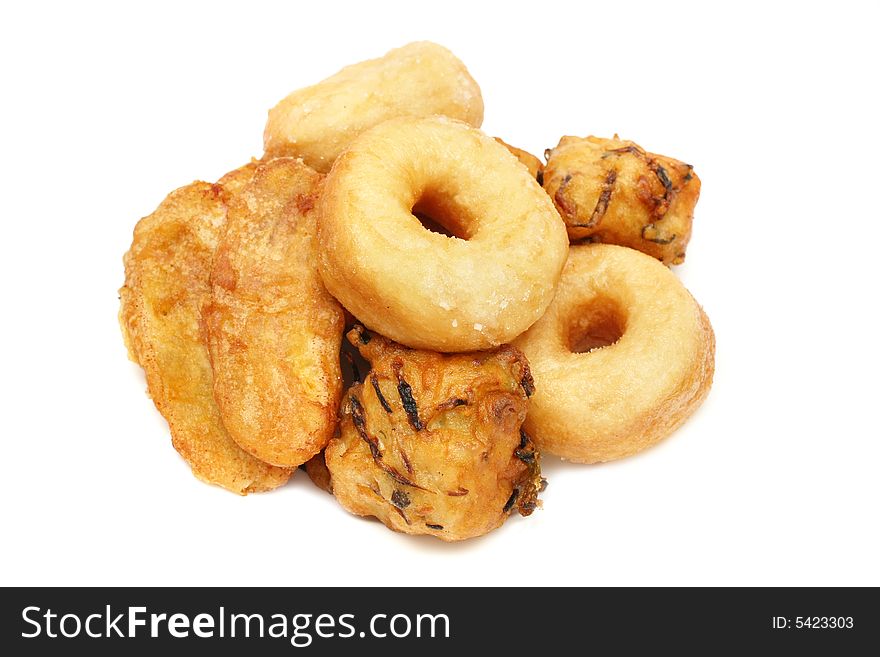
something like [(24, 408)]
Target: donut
[(613, 191), (478, 288), (623, 356), (272, 330), (166, 283), (419, 79), (432, 443)]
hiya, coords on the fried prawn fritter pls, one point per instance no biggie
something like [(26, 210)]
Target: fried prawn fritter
[(420, 79), (166, 283), (613, 191), (273, 331), (432, 443), (532, 163)]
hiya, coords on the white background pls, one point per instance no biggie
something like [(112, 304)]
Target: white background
[(106, 108)]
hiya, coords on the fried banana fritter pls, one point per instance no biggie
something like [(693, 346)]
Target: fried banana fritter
[(613, 191), (272, 330), (166, 283), (234, 181), (532, 163), (432, 443)]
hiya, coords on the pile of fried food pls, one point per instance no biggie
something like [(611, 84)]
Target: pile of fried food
[(494, 308)]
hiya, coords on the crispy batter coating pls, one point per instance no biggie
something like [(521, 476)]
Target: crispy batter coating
[(432, 443), (272, 330), (623, 356), (532, 163), (419, 79), (234, 181), (316, 469), (613, 191), (166, 283)]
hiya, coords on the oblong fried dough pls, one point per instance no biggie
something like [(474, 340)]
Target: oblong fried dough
[(419, 79), (273, 331), (166, 283)]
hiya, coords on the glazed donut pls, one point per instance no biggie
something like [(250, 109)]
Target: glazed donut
[(621, 358), (476, 290), (613, 191), (419, 79)]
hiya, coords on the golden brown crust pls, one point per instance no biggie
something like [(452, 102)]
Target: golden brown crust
[(614, 192), (166, 282), (272, 330), (623, 356), (316, 469), (424, 289), (419, 79), (236, 180), (432, 443), (532, 163)]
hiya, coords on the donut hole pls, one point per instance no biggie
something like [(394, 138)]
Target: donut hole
[(598, 324), (440, 214), (433, 225)]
